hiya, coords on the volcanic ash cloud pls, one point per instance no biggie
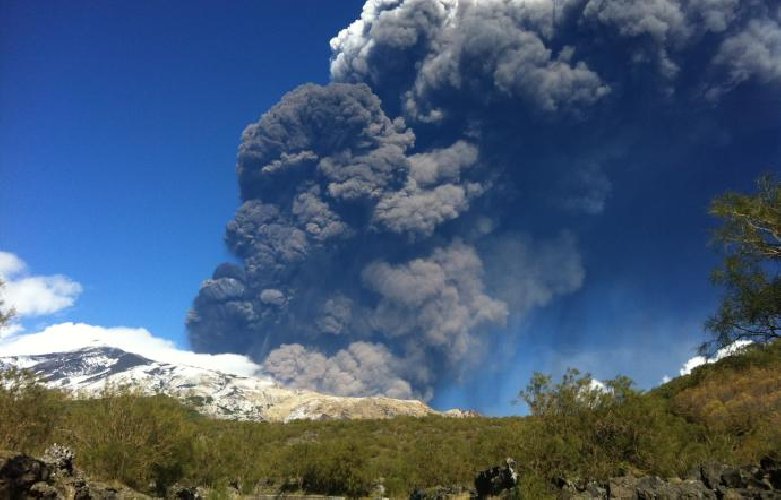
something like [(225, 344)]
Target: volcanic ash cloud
[(394, 221), (355, 278)]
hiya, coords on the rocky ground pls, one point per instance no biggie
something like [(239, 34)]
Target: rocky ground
[(52, 477), (709, 481)]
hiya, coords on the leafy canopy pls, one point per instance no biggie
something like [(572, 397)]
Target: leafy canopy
[(750, 234)]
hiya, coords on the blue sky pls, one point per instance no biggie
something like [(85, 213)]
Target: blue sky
[(120, 124), (118, 138)]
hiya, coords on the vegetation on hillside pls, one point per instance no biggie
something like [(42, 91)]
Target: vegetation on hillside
[(728, 411)]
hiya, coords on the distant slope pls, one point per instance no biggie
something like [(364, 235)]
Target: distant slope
[(89, 371), (739, 395)]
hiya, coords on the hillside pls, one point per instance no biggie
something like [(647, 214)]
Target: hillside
[(726, 412), (89, 371), (738, 397)]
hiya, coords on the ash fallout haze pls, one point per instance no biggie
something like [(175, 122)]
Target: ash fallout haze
[(469, 191)]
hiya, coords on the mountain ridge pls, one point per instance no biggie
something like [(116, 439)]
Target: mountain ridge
[(89, 371)]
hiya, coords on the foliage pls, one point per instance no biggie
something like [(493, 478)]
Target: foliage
[(339, 470), (738, 399), (752, 223), (5, 314), (575, 393), (133, 439), (750, 234), (727, 411), (29, 413), (599, 430)]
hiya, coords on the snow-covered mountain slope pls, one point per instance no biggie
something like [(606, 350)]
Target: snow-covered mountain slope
[(89, 371)]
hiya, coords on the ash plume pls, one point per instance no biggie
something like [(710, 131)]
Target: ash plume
[(389, 226)]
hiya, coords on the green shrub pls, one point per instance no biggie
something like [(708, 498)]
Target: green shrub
[(29, 413), (133, 439)]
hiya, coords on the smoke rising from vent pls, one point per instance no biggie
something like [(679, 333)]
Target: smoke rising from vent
[(389, 229)]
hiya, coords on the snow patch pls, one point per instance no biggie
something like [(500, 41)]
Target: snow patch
[(68, 337)]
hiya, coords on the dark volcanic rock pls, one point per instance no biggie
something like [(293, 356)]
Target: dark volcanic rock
[(655, 488), (733, 477), (691, 489), (18, 474), (178, 492), (491, 482), (711, 474), (622, 488), (710, 481), (23, 477)]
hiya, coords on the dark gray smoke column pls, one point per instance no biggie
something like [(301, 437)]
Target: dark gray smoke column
[(355, 277), (380, 260), (552, 99)]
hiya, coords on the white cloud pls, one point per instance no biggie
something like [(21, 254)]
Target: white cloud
[(64, 337), (34, 295), (41, 295), (597, 385), (10, 264), (696, 361)]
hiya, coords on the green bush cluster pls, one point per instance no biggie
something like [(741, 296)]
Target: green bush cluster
[(150, 443), (133, 439), (30, 415)]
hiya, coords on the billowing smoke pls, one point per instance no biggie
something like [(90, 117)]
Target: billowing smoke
[(389, 227)]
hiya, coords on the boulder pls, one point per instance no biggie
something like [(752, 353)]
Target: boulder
[(711, 474), (771, 471), (774, 478), (491, 482), (655, 488), (733, 477), (437, 493), (694, 489), (42, 489), (60, 459), (595, 490), (23, 477), (179, 492), (622, 488), (19, 472), (710, 481), (725, 493)]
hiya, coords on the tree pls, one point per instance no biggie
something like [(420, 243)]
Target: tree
[(571, 396), (5, 314), (750, 234), (575, 393)]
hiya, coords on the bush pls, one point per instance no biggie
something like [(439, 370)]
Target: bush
[(135, 440), (29, 413), (335, 470)]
